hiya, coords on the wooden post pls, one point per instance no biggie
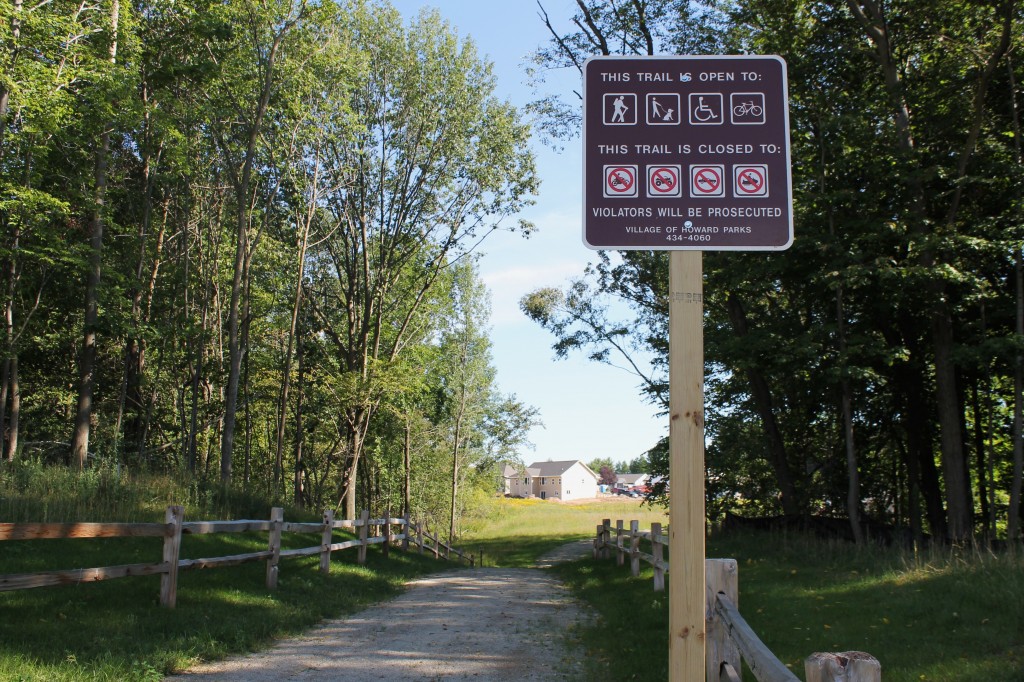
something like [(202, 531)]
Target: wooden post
[(606, 537), (686, 466), (634, 548), (174, 516), (276, 519), (722, 577), (386, 547), (658, 550), (419, 536), (597, 542), (408, 530), (849, 666), (364, 530), (620, 555), (326, 539)]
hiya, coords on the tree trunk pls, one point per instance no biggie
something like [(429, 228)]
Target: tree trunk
[(87, 361), (407, 466), (242, 187), (763, 401), (299, 477), (1014, 512), (286, 373)]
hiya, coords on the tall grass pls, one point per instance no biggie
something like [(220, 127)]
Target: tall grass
[(937, 616), (33, 492)]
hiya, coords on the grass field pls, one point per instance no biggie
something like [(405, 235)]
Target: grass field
[(932, 617)]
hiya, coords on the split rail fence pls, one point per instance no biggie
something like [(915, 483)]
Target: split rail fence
[(730, 639), (174, 527)]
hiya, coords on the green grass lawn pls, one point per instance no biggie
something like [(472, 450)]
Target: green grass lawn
[(116, 629), (932, 617), (935, 617)]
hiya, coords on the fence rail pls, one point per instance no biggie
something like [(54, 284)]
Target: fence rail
[(729, 638), (174, 527)]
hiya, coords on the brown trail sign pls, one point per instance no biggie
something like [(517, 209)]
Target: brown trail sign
[(687, 154)]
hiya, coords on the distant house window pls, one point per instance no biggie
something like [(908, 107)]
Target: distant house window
[(543, 481), (526, 481)]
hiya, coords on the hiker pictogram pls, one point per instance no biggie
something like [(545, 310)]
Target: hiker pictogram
[(663, 108), (620, 181), (706, 109), (620, 109), (750, 180), (747, 108), (663, 181), (706, 181)]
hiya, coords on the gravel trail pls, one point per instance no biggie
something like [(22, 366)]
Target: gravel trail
[(468, 624)]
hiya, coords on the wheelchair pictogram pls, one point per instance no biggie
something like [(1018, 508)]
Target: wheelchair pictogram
[(706, 109)]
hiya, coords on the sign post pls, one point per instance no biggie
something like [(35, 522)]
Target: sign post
[(686, 154)]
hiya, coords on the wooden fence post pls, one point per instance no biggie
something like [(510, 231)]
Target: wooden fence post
[(419, 536), (848, 666), (435, 539), (364, 530), (606, 537), (408, 531), (597, 542), (620, 555), (721, 575), (386, 547), (276, 519), (172, 548), (658, 550), (634, 548), (326, 539)]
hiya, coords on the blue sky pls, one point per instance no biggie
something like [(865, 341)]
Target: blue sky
[(589, 410)]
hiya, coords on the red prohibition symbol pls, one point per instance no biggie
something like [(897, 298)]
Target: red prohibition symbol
[(665, 180), (620, 180), (750, 181), (707, 181)]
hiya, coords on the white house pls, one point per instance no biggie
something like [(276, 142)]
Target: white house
[(568, 480)]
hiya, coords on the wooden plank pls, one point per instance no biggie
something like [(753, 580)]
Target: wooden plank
[(220, 562), (634, 548), (274, 545), (727, 673), (722, 577), (294, 527), (761, 661), (27, 581), (175, 518), (243, 526), (326, 538), (848, 666), (658, 548), (363, 528), (620, 553), (686, 466), (301, 551), (338, 546), (54, 531)]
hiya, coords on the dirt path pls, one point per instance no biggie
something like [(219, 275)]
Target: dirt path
[(469, 624)]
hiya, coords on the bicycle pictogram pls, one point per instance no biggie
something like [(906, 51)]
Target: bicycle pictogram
[(747, 108)]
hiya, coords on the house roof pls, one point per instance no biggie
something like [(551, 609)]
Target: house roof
[(631, 479), (555, 468)]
